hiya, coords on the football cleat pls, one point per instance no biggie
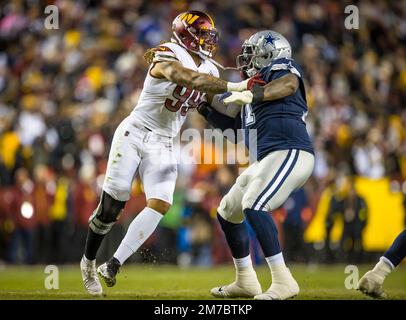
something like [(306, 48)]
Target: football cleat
[(108, 271), (371, 285), (233, 290), (283, 287), (89, 277), (245, 286)]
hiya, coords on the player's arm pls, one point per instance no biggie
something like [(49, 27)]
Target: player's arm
[(218, 105), (176, 73), (217, 119), (274, 90)]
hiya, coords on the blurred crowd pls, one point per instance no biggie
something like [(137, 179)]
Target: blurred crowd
[(63, 92)]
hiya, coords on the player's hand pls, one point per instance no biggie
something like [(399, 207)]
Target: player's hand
[(255, 80), (246, 84), (240, 98)]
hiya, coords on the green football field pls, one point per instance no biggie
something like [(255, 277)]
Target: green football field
[(171, 282)]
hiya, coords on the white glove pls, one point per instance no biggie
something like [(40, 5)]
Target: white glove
[(240, 98), (246, 84), (237, 86)]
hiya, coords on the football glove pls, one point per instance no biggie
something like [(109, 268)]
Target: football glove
[(246, 84), (240, 98)]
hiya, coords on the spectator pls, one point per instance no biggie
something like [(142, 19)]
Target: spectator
[(293, 226), (84, 201), (22, 218), (41, 199), (352, 208), (59, 212)]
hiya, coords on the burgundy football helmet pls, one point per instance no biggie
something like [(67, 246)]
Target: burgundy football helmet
[(195, 31)]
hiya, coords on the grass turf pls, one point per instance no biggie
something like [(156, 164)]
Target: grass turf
[(171, 282)]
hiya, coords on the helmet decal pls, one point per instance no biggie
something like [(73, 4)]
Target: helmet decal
[(195, 31), (270, 39), (189, 18)]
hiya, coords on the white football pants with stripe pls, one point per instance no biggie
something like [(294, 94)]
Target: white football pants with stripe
[(265, 185)]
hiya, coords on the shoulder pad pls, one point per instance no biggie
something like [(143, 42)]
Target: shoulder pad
[(285, 64), (164, 53)]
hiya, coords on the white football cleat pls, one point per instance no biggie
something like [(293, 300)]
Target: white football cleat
[(234, 290), (246, 285), (371, 284), (89, 277), (283, 287)]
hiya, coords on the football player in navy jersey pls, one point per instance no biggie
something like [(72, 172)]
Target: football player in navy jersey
[(284, 161)]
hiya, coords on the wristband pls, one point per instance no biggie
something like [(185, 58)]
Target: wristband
[(204, 108), (257, 93)]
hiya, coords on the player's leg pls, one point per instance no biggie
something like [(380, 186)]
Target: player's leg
[(372, 282), (122, 164), (158, 179), (277, 176), (235, 229)]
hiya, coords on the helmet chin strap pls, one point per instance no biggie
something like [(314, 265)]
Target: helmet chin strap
[(205, 56), (221, 66)]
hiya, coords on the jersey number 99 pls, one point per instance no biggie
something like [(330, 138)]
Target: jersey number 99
[(184, 98)]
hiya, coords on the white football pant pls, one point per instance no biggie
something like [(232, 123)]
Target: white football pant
[(139, 150)]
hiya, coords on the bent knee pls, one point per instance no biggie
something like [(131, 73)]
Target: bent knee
[(159, 205), (229, 211), (118, 190), (106, 214)]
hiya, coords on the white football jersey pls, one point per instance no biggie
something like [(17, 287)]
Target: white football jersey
[(163, 105)]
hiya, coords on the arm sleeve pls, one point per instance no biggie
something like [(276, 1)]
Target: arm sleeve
[(223, 122)]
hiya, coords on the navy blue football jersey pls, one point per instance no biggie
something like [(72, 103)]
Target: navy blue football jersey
[(280, 124)]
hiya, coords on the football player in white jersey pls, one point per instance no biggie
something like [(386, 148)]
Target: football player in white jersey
[(181, 71)]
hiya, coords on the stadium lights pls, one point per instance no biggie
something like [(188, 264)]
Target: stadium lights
[(27, 210)]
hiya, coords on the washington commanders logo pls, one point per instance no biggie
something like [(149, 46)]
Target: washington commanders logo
[(189, 18)]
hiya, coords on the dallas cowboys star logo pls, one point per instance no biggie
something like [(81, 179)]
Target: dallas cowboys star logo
[(270, 39)]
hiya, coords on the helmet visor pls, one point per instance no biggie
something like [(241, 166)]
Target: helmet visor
[(208, 41)]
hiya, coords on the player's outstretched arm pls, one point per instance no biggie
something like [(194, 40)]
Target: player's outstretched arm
[(175, 72), (276, 89), (219, 120)]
